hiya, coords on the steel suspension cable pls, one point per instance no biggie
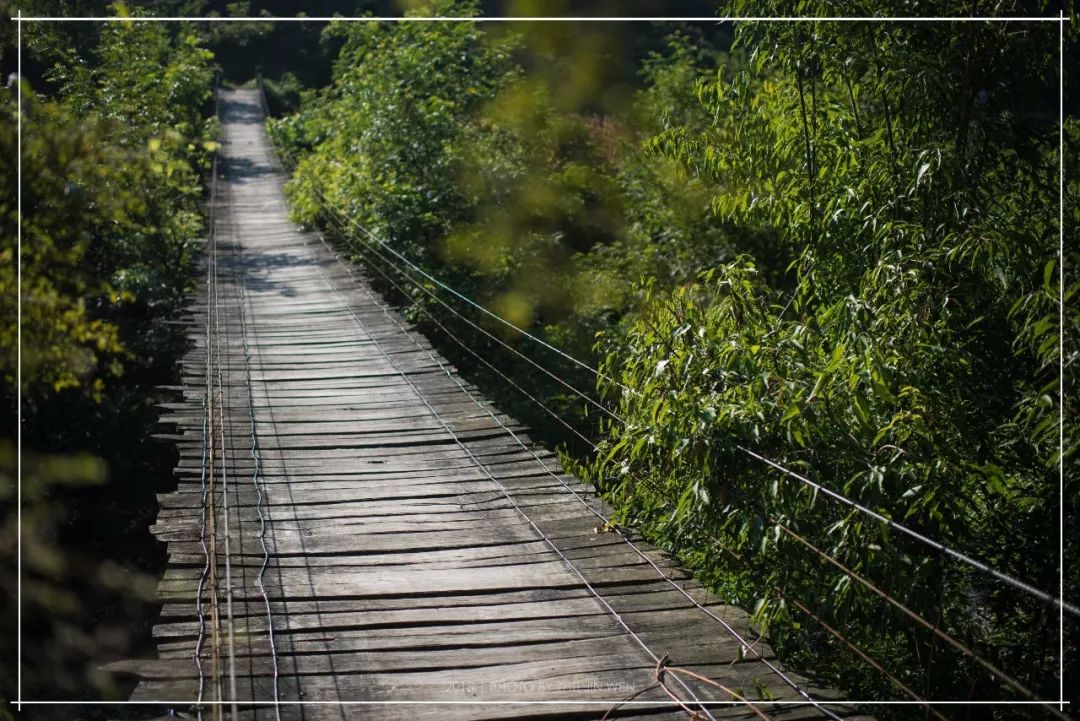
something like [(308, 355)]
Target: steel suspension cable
[(230, 618), (256, 457), (475, 354), (936, 545), (873, 663), (212, 349), (215, 360), (215, 614), (581, 394), (933, 628), (205, 460), (920, 620), (863, 655), (494, 369)]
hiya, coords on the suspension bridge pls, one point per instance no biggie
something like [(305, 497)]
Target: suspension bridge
[(356, 529), (355, 524)]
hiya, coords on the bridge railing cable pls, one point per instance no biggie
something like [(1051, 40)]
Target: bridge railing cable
[(222, 358), (817, 487), (922, 538), (862, 654), (447, 333), (206, 435), (208, 516), (920, 620), (936, 545), (256, 457)]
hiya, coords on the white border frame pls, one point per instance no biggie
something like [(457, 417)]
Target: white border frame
[(1061, 20)]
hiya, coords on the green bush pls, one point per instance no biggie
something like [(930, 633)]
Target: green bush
[(115, 143), (912, 367)]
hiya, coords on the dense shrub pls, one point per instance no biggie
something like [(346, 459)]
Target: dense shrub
[(912, 368), (115, 143)]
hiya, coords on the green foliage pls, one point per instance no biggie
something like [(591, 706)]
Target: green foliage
[(283, 94), (399, 93), (913, 365), (670, 232), (111, 194), (539, 184), (161, 112), (114, 143), (63, 341)]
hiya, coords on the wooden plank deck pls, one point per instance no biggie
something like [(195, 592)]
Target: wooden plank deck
[(355, 523)]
